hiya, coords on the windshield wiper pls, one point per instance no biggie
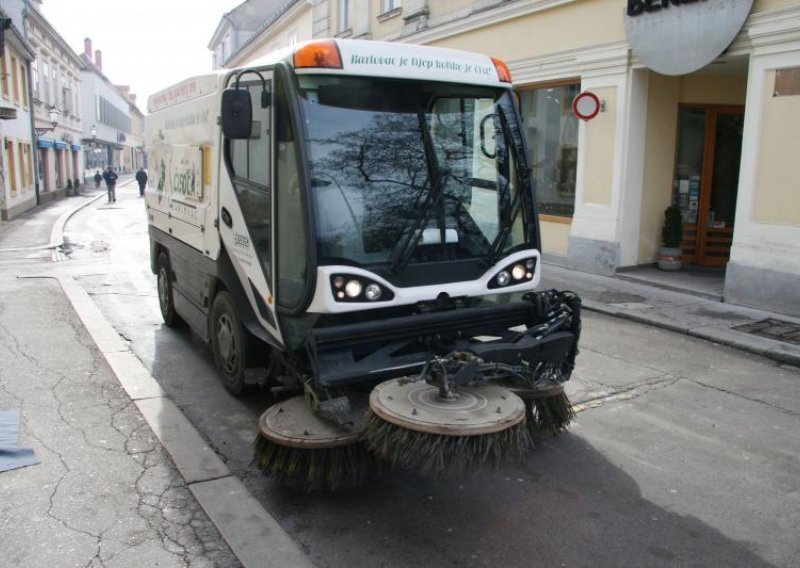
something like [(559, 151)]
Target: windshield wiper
[(523, 178), (407, 246)]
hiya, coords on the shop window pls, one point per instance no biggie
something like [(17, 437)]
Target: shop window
[(552, 133)]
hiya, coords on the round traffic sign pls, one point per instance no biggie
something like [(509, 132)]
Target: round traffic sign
[(586, 105)]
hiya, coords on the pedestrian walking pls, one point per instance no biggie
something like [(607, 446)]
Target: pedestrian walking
[(111, 183), (97, 179), (141, 179)]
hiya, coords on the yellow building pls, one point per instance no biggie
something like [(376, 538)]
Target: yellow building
[(699, 107)]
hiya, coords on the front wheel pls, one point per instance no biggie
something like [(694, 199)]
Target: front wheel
[(165, 298), (229, 342)]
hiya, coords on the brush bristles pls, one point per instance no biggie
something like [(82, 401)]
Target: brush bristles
[(440, 455), (343, 467), (552, 414)]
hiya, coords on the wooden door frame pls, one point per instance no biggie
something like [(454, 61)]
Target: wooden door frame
[(706, 175)]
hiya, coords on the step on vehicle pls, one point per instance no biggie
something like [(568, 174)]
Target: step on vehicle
[(353, 225)]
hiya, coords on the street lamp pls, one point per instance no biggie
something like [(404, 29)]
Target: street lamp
[(54, 115)]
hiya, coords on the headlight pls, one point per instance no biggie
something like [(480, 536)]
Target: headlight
[(518, 272), (353, 288), (372, 292), (503, 278)]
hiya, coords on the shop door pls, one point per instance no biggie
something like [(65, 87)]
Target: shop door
[(707, 180)]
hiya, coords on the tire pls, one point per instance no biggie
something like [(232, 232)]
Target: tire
[(166, 301), (229, 341)]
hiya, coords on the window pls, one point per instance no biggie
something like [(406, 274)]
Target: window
[(12, 174), (30, 164), (292, 261), (250, 164), (24, 77), (14, 81), (46, 81), (5, 76), (389, 5), (64, 92), (54, 85), (552, 133), (22, 174), (345, 11), (35, 76)]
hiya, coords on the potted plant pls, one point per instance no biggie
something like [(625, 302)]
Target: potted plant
[(669, 256)]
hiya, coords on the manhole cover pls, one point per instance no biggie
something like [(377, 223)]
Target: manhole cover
[(773, 329)]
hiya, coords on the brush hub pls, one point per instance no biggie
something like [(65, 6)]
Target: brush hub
[(418, 406), (292, 423)]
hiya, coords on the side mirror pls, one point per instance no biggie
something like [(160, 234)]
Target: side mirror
[(237, 113)]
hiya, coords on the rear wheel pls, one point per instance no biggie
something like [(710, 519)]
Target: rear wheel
[(229, 341), (165, 299)]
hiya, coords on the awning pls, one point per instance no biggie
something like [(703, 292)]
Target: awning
[(45, 143), (76, 147), (61, 145)]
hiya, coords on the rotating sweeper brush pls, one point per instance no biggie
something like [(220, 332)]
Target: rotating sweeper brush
[(298, 448), (418, 426), (483, 406)]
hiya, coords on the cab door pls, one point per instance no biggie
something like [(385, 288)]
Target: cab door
[(246, 207)]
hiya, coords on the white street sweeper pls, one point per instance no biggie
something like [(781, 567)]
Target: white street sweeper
[(353, 224)]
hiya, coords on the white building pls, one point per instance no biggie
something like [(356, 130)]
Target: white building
[(107, 124), (55, 85), (18, 190)]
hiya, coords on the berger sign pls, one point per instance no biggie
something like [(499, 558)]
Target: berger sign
[(676, 37)]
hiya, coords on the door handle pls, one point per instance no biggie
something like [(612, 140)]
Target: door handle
[(226, 218)]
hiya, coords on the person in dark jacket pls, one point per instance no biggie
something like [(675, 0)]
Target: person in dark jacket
[(97, 178), (141, 179), (111, 183)]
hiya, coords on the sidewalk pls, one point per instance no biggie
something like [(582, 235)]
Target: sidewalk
[(696, 315), (124, 479)]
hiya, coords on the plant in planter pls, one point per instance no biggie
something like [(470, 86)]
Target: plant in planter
[(669, 256)]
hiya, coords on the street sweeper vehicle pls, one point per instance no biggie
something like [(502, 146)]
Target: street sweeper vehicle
[(353, 225)]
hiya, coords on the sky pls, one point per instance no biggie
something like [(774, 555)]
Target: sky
[(146, 44)]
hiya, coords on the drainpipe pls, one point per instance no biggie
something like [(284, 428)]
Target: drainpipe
[(31, 106)]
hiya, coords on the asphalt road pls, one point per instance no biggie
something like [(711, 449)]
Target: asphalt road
[(686, 452)]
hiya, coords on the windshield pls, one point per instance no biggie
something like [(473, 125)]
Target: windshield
[(409, 172)]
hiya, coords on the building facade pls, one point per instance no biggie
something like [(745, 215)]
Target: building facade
[(56, 88), (713, 136), (18, 191), (249, 20), (107, 126)]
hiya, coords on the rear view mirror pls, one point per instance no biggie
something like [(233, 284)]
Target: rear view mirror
[(237, 113)]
